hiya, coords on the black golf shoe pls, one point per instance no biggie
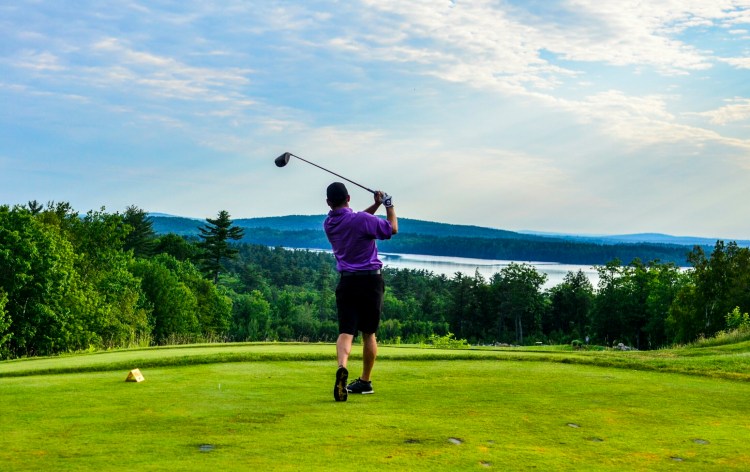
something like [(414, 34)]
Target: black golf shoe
[(339, 389), (360, 386)]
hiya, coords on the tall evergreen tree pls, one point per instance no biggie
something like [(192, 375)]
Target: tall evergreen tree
[(35, 207), (216, 236), (141, 238)]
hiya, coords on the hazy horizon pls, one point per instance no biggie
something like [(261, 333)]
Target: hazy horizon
[(523, 231)]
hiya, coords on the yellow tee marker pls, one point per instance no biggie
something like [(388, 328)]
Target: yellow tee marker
[(135, 376)]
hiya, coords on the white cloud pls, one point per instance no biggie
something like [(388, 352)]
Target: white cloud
[(165, 76), (36, 92), (473, 43), (38, 61), (737, 62), (736, 110), (631, 32), (641, 121), (495, 47), (644, 121), (740, 15), (480, 43)]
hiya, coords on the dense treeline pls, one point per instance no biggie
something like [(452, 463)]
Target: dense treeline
[(106, 280)]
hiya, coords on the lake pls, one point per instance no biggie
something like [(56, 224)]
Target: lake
[(448, 266)]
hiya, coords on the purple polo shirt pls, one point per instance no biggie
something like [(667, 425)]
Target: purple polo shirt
[(352, 236)]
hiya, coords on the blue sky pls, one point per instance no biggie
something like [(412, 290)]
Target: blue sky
[(577, 116)]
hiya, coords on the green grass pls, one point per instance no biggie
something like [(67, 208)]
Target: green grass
[(735, 336), (270, 407), (726, 361)]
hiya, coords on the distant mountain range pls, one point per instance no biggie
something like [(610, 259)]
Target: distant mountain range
[(165, 223), (427, 237), (656, 238)]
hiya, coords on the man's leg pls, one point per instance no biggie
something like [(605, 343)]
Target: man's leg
[(369, 353), (372, 307), (344, 348)]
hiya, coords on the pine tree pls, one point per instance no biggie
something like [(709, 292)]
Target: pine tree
[(216, 248), (35, 207), (141, 238)]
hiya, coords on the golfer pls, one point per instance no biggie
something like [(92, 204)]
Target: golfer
[(359, 294)]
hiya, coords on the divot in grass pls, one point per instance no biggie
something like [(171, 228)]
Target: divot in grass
[(455, 441), (206, 447), (573, 425), (702, 442)]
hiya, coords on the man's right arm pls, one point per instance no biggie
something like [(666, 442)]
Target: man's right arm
[(390, 215), (382, 198)]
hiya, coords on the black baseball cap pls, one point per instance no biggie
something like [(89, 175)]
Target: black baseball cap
[(337, 193)]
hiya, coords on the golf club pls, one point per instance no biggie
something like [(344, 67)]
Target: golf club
[(283, 160)]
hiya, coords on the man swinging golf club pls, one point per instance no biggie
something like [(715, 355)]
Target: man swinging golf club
[(359, 294)]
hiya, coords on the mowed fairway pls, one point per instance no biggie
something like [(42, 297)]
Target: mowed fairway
[(425, 415)]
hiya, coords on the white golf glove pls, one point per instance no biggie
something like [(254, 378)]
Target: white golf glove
[(387, 200)]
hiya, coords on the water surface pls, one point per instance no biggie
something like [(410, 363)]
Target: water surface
[(449, 266)]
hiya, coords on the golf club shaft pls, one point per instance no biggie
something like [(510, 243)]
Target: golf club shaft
[(334, 173)]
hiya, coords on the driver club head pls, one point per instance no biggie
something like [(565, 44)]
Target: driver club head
[(283, 159)]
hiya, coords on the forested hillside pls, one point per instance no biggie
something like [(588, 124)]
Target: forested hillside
[(177, 224), (438, 239), (107, 280)]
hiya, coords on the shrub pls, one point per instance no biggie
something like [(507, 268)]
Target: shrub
[(737, 321), (448, 341)]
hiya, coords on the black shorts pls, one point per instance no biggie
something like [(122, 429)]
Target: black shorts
[(359, 300)]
